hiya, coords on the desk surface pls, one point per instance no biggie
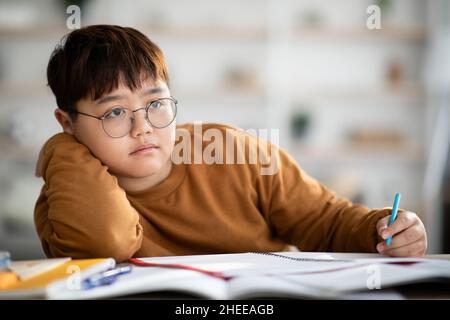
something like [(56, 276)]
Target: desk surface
[(439, 256)]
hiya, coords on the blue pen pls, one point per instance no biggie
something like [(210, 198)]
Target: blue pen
[(105, 278), (393, 215)]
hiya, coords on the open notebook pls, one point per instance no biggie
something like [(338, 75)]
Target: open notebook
[(260, 275)]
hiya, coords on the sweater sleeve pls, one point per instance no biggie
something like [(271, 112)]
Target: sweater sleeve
[(305, 213), (82, 212)]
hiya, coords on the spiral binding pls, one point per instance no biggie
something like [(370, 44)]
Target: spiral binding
[(300, 259)]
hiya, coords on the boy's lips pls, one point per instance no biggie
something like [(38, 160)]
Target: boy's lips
[(144, 148)]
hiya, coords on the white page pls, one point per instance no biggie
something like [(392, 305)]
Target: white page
[(334, 284), (252, 264), (244, 264), (369, 277), (149, 279), (269, 287)]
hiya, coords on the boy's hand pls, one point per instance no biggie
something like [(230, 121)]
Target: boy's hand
[(409, 235)]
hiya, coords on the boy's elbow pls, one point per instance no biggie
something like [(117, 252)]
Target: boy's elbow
[(120, 247)]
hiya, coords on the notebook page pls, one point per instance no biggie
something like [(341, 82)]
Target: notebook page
[(369, 277), (145, 280), (333, 284), (251, 264)]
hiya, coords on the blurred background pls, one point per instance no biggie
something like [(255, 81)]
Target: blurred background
[(364, 111)]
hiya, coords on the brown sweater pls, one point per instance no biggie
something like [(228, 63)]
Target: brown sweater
[(198, 209)]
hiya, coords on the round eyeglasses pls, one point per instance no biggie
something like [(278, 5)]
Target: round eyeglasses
[(119, 121)]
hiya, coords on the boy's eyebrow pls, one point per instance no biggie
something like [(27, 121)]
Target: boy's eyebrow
[(153, 91), (108, 99), (118, 97)]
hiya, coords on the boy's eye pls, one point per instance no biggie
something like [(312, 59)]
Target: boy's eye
[(114, 113), (155, 105)]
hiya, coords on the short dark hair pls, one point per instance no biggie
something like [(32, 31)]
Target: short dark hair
[(94, 60)]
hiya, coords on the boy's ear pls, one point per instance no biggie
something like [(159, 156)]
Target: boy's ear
[(64, 120)]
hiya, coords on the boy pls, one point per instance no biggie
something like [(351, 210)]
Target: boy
[(113, 188)]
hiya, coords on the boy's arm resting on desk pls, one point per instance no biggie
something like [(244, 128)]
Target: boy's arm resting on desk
[(307, 214), (82, 212)]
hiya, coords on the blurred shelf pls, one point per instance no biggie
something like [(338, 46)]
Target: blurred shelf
[(25, 90), (34, 31), (407, 92), (257, 33), (257, 95), (210, 32), (390, 33), (346, 154), (190, 32), (393, 33)]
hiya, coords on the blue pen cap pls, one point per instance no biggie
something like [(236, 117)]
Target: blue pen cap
[(105, 278), (93, 283)]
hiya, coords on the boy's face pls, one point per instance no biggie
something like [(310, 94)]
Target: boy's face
[(119, 154)]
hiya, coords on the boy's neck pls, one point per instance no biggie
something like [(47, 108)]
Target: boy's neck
[(139, 184)]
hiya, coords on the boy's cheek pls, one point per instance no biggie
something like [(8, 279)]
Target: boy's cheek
[(109, 154)]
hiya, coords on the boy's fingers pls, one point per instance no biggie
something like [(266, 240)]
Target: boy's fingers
[(382, 224), (408, 236), (404, 220), (415, 249)]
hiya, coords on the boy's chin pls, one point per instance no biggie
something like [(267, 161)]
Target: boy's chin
[(141, 171), (138, 174)]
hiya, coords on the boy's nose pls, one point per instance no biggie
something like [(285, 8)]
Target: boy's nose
[(140, 125)]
